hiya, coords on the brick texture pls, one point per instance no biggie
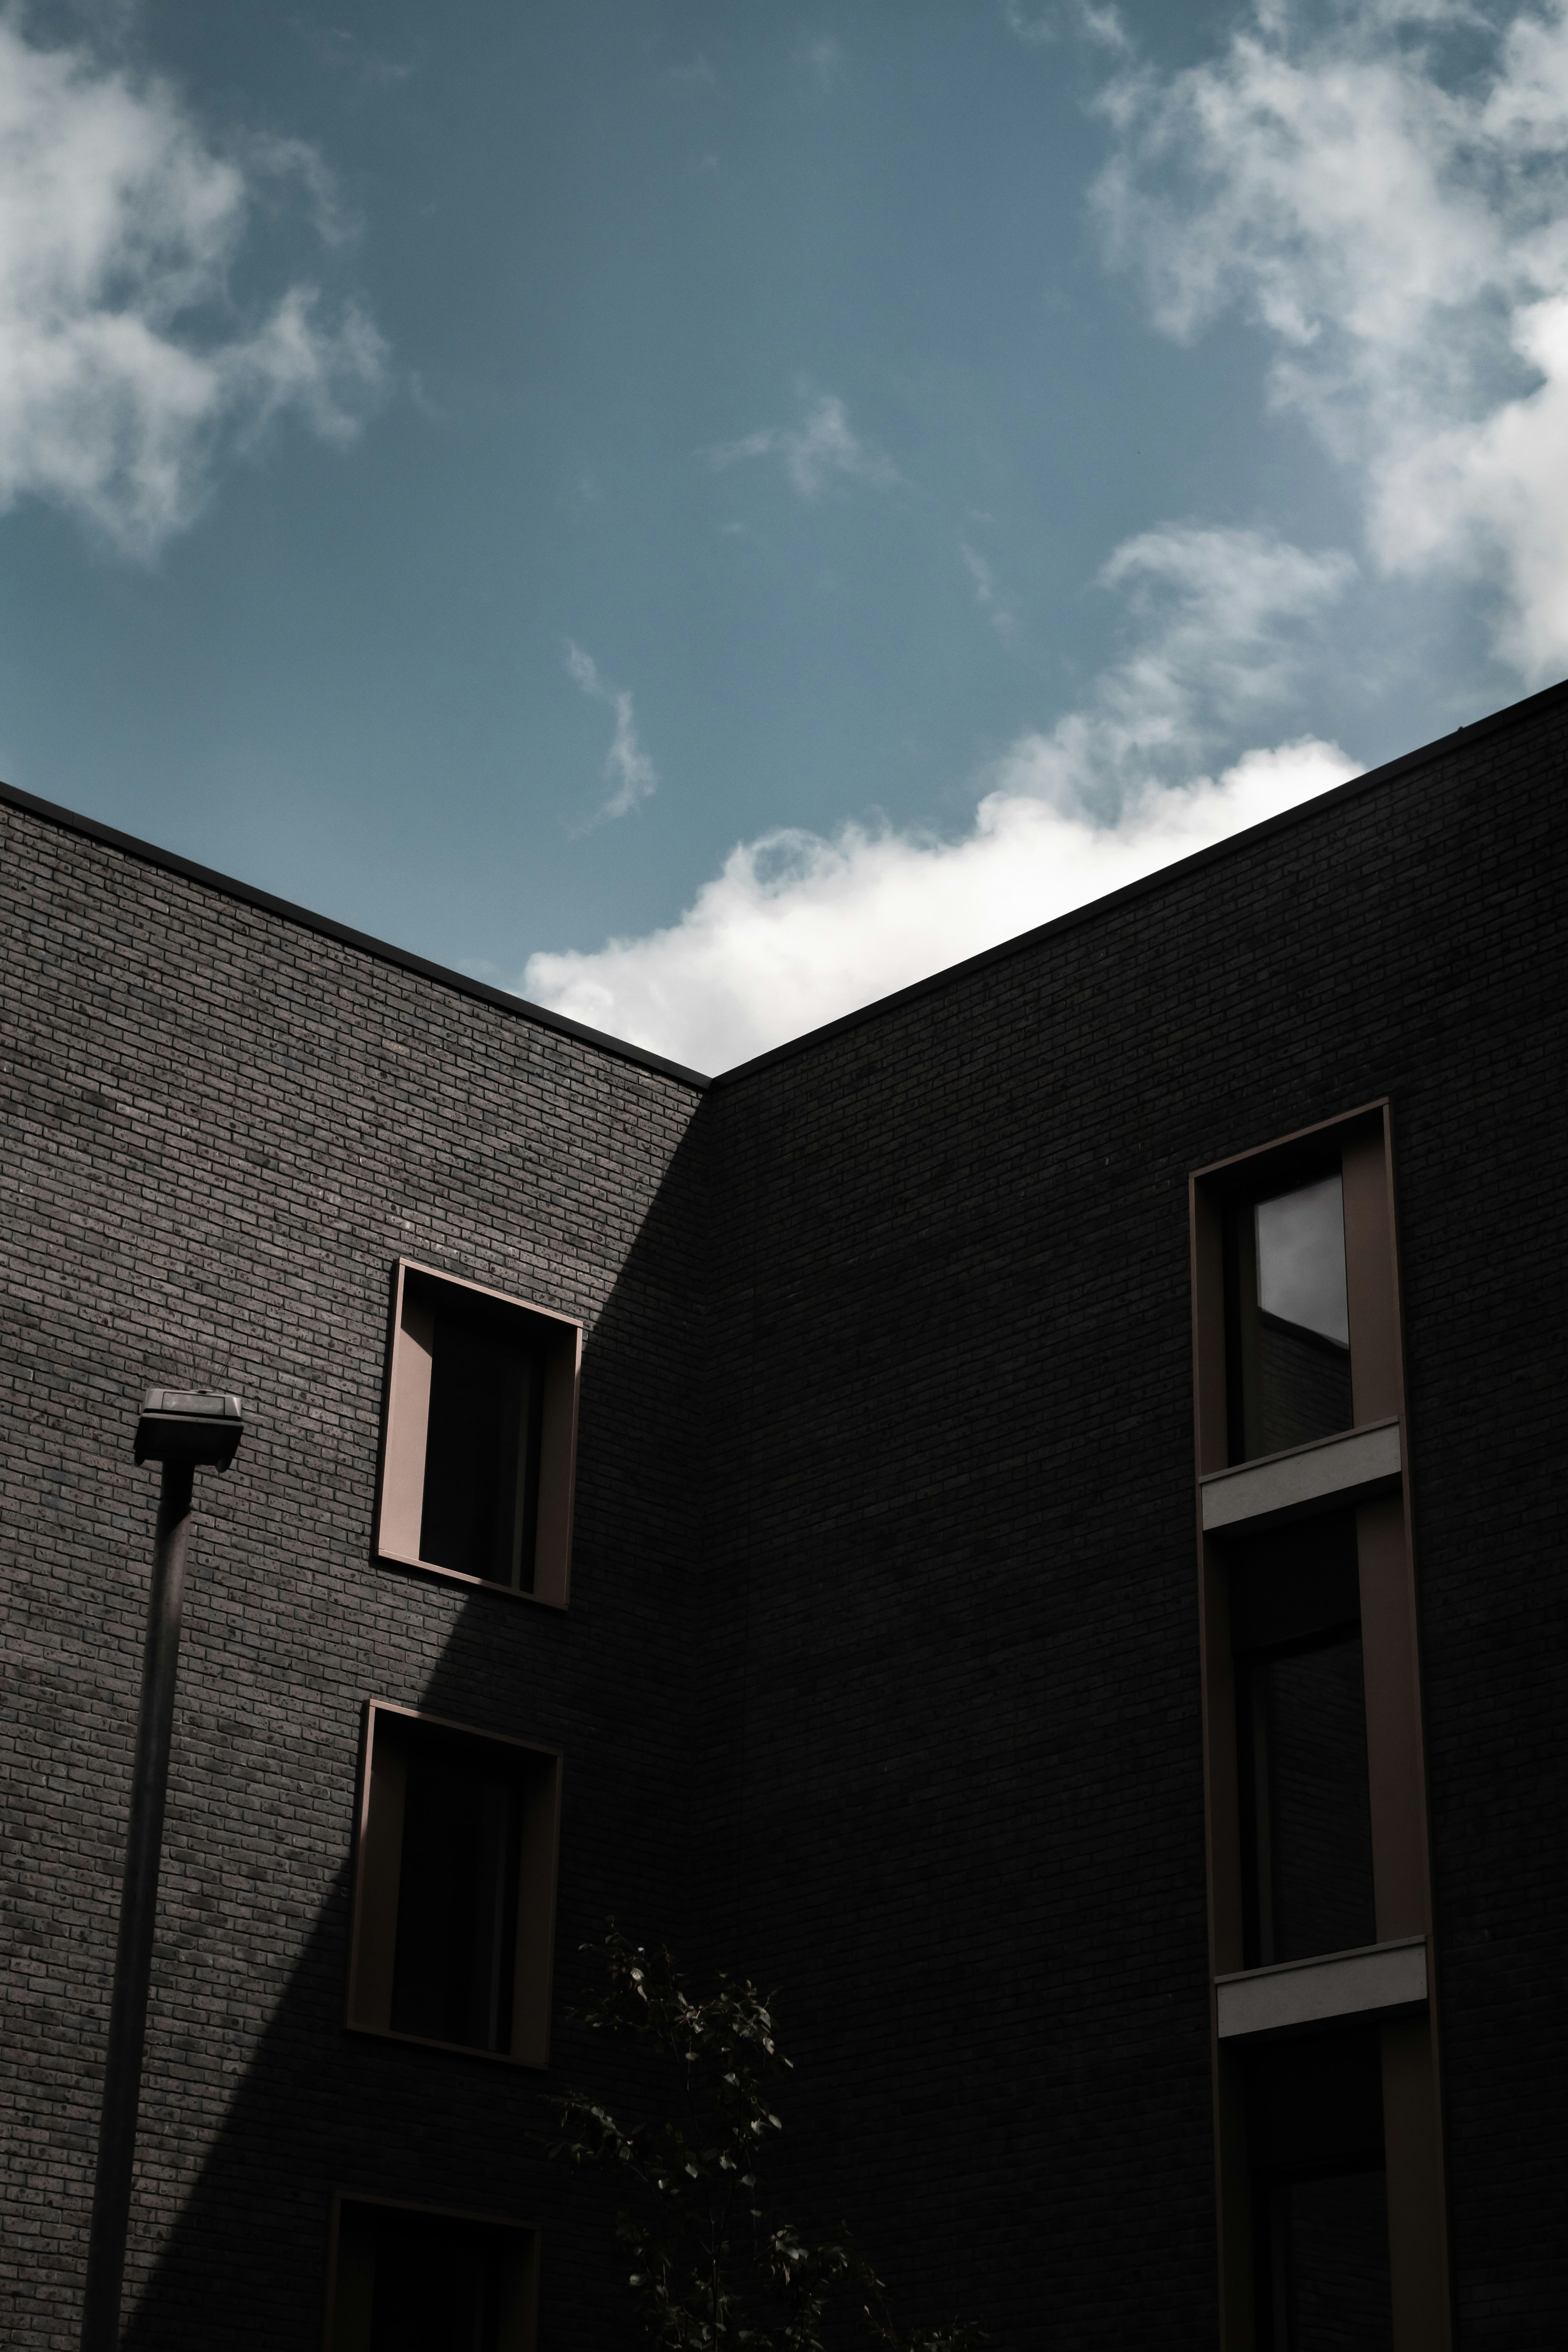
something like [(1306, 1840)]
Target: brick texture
[(880, 1678)]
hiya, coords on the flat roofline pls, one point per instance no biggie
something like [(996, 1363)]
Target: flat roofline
[(384, 951), (1162, 878), (169, 861)]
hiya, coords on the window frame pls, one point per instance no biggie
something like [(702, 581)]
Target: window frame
[(373, 1938), (405, 1425), (527, 2333), (1401, 1859)]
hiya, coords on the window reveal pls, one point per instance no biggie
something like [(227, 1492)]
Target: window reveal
[(454, 1914)]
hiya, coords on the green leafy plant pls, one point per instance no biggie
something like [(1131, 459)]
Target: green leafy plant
[(710, 2269)]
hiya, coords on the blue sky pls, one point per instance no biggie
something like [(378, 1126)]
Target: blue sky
[(705, 510)]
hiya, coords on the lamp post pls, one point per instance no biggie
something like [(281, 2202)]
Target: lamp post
[(184, 1432)]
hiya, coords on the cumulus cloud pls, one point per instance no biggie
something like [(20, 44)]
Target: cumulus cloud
[(626, 764), (798, 927), (1383, 190), (124, 367), (822, 447)]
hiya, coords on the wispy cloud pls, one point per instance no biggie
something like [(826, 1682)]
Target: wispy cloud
[(1392, 211), (123, 378), (799, 927), (1101, 25), (626, 764), (984, 581), (822, 447), (823, 58)]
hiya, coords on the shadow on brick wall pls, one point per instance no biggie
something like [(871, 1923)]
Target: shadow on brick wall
[(616, 1683)]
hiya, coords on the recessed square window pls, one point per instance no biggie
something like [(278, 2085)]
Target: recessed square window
[(406, 2278), (455, 1896), (480, 1436)]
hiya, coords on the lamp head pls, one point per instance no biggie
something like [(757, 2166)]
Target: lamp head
[(198, 1426)]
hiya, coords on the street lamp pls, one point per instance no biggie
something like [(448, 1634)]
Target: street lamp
[(183, 1431)]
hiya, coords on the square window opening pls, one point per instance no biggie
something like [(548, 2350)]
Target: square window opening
[(454, 1925), (405, 2277), (480, 1437)]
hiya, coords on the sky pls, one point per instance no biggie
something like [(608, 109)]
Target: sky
[(701, 512)]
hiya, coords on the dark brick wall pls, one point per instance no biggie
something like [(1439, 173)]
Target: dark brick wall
[(220, 1131), (952, 1554), (880, 1678)]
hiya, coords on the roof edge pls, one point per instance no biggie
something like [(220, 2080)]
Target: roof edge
[(1147, 884), (169, 861)]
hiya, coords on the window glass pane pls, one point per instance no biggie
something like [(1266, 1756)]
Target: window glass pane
[(1304, 1745), (1332, 2234), (481, 1449), (1302, 1259), (1294, 1362), (456, 1900), (413, 2282)]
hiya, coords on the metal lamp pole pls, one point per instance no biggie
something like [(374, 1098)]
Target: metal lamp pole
[(182, 1431)]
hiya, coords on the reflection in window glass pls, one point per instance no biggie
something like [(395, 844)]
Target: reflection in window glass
[(1291, 1380), (1302, 1259)]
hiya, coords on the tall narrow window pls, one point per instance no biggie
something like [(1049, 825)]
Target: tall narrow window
[(480, 1436), (1305, 1803), (454, 1911), (1291, 1319), (406, 2279), (1321, 2262), (1330, 2182)]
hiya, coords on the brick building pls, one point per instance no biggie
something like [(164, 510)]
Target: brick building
[(1155, 1842)]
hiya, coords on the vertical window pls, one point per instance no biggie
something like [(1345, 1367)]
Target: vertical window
[(1290, 1316), (1328, 2147), (479, 1505), (480, 1436), (1321, 2262), (454, 1915), (1304, 1802), (406, 2279)]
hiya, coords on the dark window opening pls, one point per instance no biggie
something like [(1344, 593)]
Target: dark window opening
[(456, 1953), (1287, 1319), (1305, 1799), (1321, 2262), (482, 1445), (455, 1888), (413, 2282)]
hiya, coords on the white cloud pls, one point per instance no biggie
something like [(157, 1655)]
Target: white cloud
[(797, 928), (626, 764), (1393, 212), (1100, 25), (822, 447), (122, 369)]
